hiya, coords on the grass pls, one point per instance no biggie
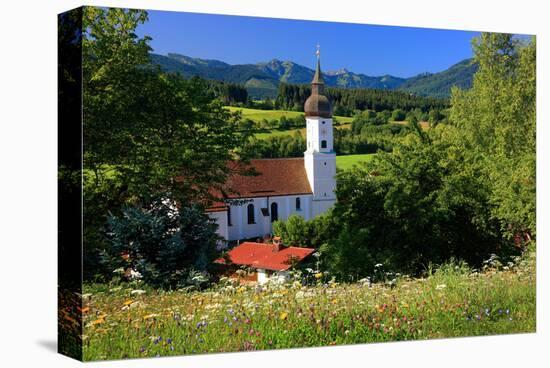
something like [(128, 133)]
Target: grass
[(348, 161), (302, 131), (277, 132), (258, 115), (453, 301), (425, 125)]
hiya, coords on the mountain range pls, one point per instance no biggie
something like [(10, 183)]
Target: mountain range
[(262, 79)]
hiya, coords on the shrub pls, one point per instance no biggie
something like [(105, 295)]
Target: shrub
[(398, 115), (294, 231)]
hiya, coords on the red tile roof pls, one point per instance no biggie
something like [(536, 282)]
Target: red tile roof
[(261, 255), (275, 177)]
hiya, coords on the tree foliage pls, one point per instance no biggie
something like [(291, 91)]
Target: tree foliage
[(347, 101), (423, 208), (296, 231), (162, 244), (496, 125), (463, 190), (145, 132)]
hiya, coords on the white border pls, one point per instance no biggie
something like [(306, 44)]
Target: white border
[(28, 184)]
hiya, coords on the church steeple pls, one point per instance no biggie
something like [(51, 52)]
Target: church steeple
[(318, 77), (319, 157), (318, 104)]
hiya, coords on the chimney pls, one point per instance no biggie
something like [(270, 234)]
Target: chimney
[(277, 244)]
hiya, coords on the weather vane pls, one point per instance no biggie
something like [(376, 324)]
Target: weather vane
[(318, 52)]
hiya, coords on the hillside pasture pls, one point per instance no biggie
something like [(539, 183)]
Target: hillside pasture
[(425, 125), (258, 115)]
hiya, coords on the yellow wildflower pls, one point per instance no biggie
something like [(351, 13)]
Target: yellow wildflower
[(149, 316)]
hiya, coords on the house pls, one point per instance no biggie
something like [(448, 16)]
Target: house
[(269, 262), (285, 186)]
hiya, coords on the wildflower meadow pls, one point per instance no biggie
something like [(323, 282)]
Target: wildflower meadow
[(124, 322)]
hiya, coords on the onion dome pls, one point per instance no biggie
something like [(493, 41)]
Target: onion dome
[(318, 104)]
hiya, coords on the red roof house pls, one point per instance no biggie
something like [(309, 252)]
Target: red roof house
[(267, 259)]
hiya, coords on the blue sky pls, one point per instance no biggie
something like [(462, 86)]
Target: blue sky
[(368, 49)]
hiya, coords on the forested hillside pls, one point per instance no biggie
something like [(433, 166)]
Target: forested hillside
[(263, 79), (440, 84), (346, 101)]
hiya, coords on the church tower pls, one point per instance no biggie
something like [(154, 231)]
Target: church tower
[(319, 157)]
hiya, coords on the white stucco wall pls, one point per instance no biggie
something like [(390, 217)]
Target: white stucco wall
[(221, 219), (320, 164), (241, 229), (319, 129)]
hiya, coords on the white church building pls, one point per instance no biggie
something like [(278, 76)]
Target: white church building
[(284, 186)]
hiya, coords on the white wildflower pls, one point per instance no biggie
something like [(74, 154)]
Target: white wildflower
[(135, 275)]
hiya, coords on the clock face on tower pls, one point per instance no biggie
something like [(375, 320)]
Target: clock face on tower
[(324, 131)]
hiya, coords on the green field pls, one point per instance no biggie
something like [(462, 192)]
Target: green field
[(258, 115), (124, 322), (348, 161), (275, 132)]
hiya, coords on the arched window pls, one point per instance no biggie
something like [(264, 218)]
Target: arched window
[(323, 144), (298, 204), (274, 212), (228, 215), (250, 212)]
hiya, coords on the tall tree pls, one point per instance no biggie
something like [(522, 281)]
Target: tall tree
[(496, 123), (150, 126), (145, 132)]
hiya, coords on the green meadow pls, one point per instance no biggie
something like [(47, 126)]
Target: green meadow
[(258, 115), (347, 162)]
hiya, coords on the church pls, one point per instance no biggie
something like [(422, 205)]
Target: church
[(284, 186)]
